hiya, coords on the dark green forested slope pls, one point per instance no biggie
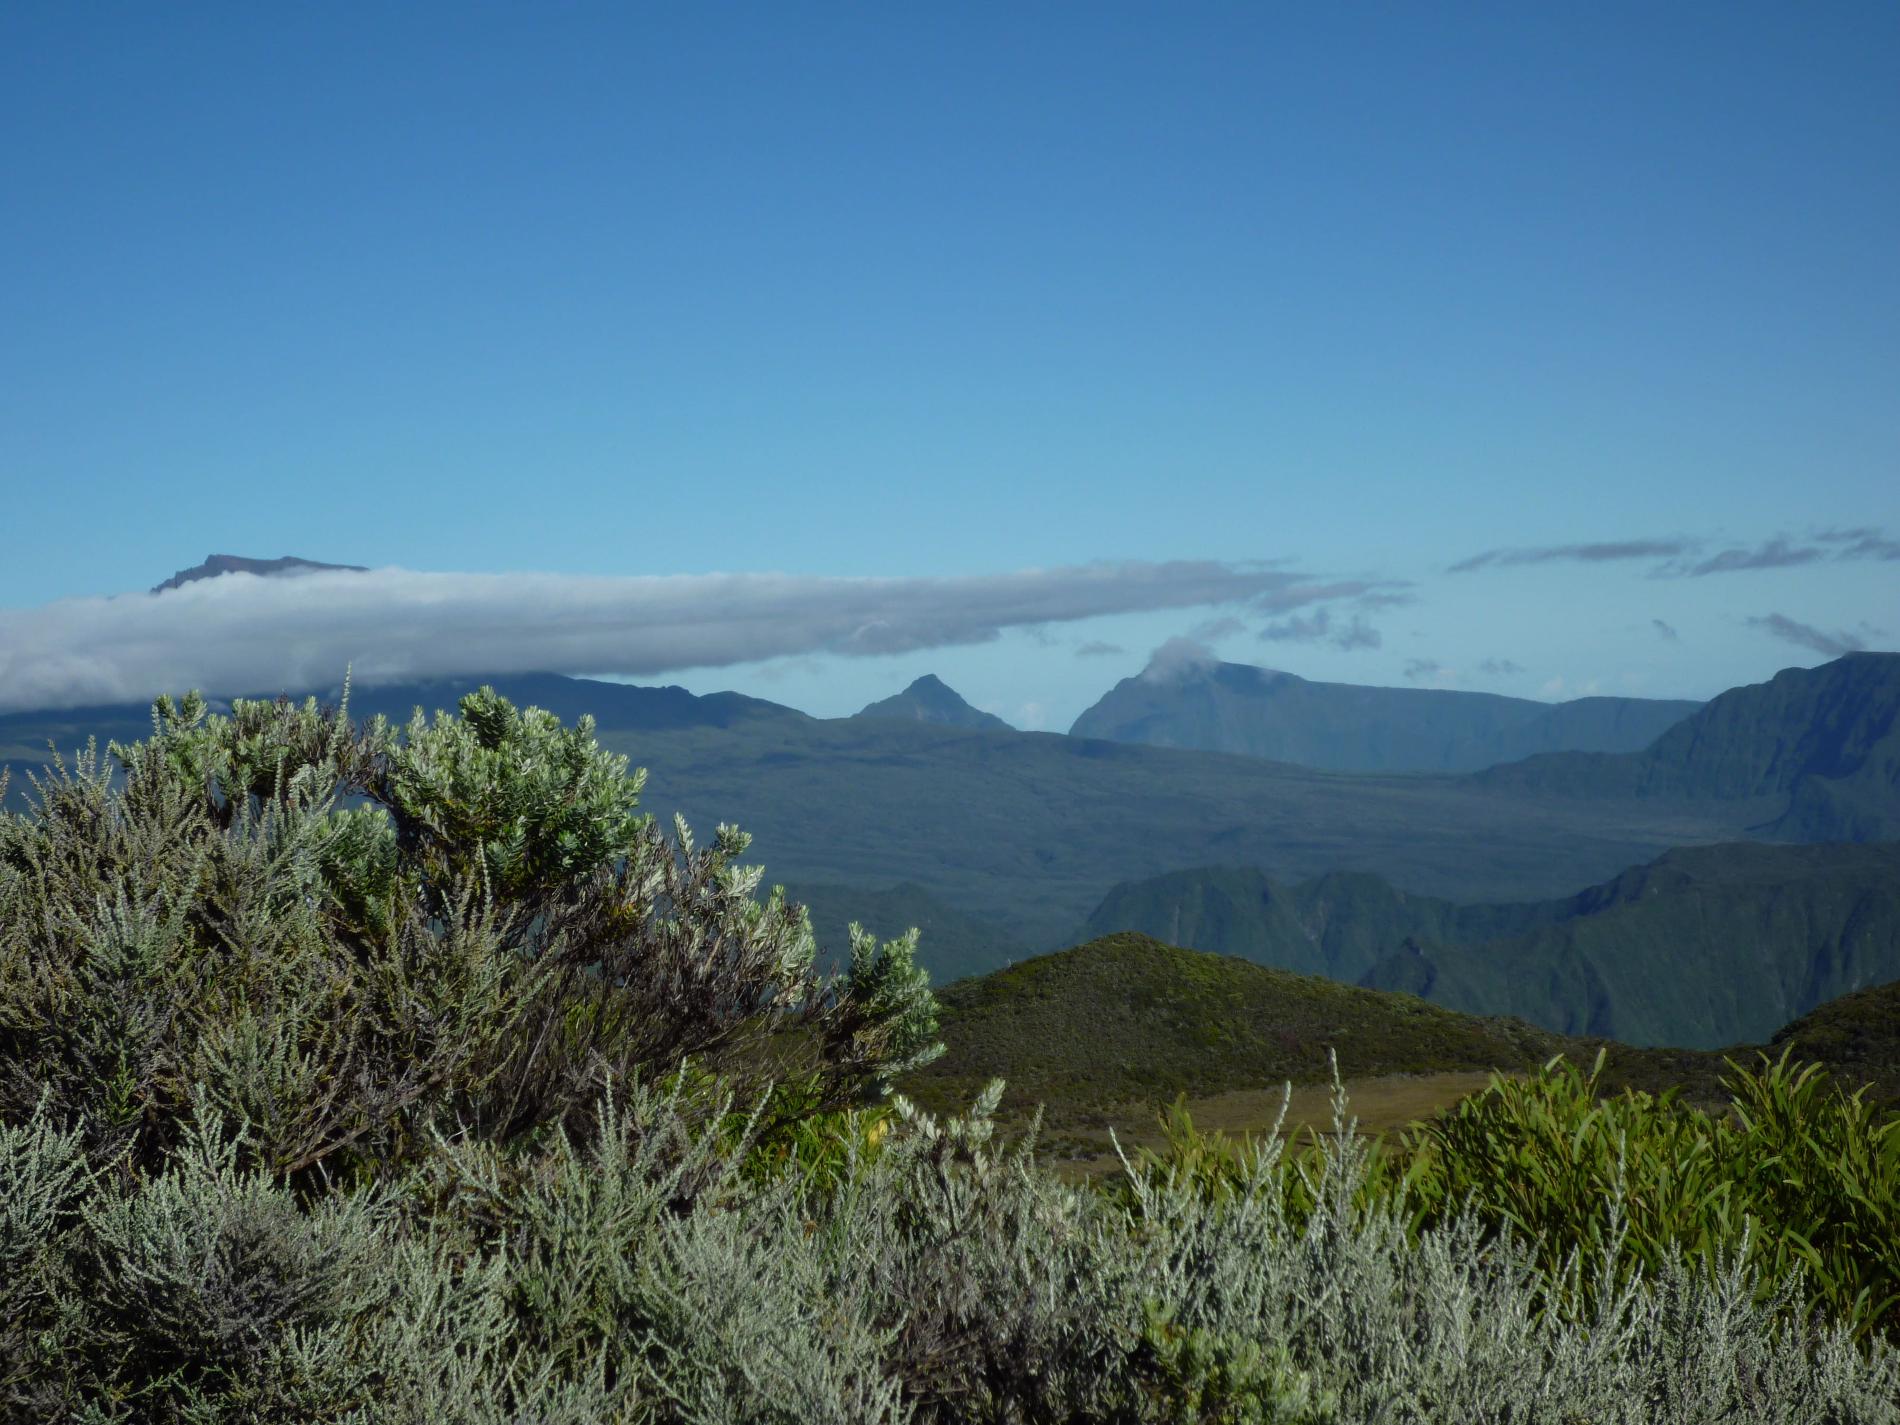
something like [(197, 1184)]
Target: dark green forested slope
[(1817, 748), (1705, 946), (1345, 727)]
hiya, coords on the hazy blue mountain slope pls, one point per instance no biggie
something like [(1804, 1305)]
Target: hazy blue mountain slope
[(1030, 830), (1339, 924), (1232, 707), (1817, 747), (929, 699)]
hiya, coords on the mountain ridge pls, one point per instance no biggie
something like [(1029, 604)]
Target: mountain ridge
[(1350, 727), (215, 565), (1700, 947), (1822, 745)]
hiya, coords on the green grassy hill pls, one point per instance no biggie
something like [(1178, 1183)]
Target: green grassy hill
[(1128, 1019), (1110, 1032)]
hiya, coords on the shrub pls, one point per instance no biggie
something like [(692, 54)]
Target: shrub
[(1811, 1171), (488, 937)]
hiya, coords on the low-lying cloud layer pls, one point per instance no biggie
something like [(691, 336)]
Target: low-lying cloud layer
[(242, 633)]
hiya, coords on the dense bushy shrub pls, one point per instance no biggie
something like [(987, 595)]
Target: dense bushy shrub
[(486, 938), (483, 1101)]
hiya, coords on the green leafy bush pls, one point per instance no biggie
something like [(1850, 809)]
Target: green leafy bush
[(1813, 1171)]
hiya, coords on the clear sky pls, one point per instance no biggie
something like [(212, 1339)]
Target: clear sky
[(951, 293)]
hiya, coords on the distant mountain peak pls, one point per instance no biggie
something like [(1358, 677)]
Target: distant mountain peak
[(930, 699), (217, 564)]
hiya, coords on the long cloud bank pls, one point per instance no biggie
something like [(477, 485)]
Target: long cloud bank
[(242, 633)]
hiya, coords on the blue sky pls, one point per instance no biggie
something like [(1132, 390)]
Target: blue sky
[(958, 293)]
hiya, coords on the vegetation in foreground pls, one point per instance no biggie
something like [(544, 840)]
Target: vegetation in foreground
[(487, 1101)]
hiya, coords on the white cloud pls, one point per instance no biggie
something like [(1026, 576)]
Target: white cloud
[(240, 632)]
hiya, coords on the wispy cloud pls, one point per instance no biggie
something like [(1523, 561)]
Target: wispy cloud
[(1383, 599), (1666, 630), (240, 632), (1320, 627), (1500, 667), (1176, 658), (1365, 593), (1603, 553), (1215, 629), (1420, 668), (1777, 553), (1684, 557), (1095, 648), (1806, 635), (1862, 543)]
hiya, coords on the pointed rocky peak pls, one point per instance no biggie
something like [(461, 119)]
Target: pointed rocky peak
[(931, 700)]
